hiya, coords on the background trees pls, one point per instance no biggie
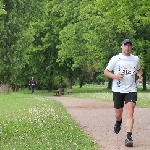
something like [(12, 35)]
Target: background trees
[(69, 40), (14, 39)]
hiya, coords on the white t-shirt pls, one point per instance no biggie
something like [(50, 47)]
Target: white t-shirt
[(129, 66)]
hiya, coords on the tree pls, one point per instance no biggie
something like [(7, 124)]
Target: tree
[(119, 20), (14, 39), (46, 34), (100, 29)]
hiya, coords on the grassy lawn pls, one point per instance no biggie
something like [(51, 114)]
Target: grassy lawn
[(33, 122), (97, 92), (102, 93)]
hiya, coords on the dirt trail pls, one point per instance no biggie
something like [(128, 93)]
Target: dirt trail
[(97, 119)]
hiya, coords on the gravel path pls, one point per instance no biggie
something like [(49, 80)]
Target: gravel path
[(97, 119)]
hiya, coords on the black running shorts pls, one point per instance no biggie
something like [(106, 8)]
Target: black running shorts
[(121, 98)]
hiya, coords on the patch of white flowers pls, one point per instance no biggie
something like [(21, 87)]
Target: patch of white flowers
[(29, 123), (46, 126)]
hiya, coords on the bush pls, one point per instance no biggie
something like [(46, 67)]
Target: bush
[(60, 82)]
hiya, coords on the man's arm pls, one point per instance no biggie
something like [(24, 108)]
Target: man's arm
[(139, 74), (109, 74)]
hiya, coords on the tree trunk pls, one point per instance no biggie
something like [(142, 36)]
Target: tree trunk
[(50, 87), (15, 87), (144, 81), (81, 82), (4, 88), (70, 84)]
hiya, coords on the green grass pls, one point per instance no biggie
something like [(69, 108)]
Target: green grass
[(102, 93), (97, 92), (33, 122)]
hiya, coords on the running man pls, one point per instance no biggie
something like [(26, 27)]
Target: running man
[(32, 85), (123, 68)]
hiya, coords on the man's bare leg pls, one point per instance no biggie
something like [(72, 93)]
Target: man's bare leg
[(118, 115), (130, 120)]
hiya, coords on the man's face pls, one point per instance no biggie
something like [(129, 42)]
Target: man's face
[(126, 49)]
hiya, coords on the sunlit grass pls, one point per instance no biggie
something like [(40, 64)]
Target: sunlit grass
[(95, 96), (35, 122), (143, 99), (96, 92), (32, 122), (99, 92)]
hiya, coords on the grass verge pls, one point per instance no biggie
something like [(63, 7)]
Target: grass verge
[(102, 93), (96, 92), (32, 122)]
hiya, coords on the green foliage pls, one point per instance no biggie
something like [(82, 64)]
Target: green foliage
[(47, 37), (2, 11), (60, 82), (43, 52), (14, 38), (37, 123)]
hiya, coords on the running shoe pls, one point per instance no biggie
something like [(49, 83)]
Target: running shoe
[(117, 128), (129, 142)]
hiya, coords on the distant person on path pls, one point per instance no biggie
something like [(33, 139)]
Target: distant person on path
[(32, 85), (123, 68)]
